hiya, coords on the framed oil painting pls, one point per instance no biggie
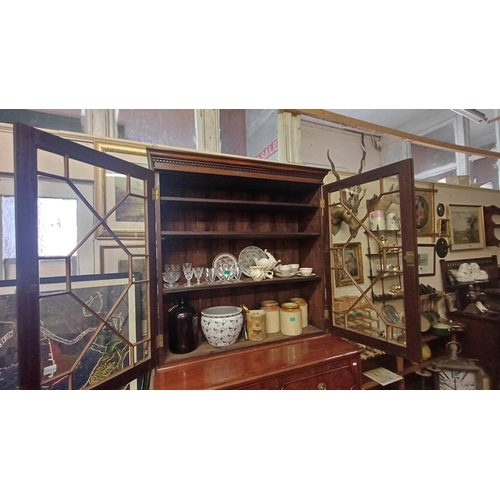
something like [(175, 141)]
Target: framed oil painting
[(118, 195), (424, 212), (466, 227), (426, 260), (348, 260)]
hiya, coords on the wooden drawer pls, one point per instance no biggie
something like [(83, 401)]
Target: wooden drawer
[(331, 376)]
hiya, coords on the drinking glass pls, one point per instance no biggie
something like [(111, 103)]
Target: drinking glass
[(171, 275), (210, 274), (237, 271), (188, 273), (198, 273), (187, 266), (225, 272)]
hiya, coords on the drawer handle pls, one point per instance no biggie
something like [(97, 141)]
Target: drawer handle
[(322, 386)]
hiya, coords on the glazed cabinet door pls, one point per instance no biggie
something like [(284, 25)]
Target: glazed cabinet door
[(85, 267), (372, 287)]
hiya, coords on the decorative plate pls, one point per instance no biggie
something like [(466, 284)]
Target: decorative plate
[(247, 258), (440, 210), (224, 258), (391, 314), (441, 247)]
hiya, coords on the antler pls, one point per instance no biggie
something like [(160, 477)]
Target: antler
[(362, 163), (333, 165), (376, 144)]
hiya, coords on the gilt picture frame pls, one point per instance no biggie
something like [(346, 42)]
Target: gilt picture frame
[(348, 260), (466, 227), (127, 220), (424, 212)]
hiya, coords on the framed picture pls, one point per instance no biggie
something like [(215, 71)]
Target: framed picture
[(127, 220), (112, 259), (426, 260), (424, 211), (466, 227), (443, 228), (73, 334), (348, 261), (451, 302)]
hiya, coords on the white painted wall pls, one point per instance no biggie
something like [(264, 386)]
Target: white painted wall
[(345, 148)]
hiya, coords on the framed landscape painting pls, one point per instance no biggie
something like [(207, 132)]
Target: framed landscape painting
[(467, 227)]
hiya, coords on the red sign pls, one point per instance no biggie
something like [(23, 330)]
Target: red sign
[(269, 150)]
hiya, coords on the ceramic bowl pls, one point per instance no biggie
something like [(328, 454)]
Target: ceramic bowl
[(221, 325)]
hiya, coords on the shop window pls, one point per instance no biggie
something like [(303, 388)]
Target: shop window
[(484, 172), (170, 127), (57, 234), (249, 132), (433, 164), (54, 119)]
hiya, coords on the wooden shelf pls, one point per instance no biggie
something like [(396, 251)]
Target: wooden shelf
[(245, 282), (386, 299), (246, 205), (387, 253), (238, 235), (205, 349), (386, 274)]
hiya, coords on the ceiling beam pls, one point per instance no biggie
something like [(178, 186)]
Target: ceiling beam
[(368, 127)]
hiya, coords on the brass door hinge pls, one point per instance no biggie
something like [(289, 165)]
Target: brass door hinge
[(322, 203), (326, 314), (410, 258), (159, 340), (156, 194)]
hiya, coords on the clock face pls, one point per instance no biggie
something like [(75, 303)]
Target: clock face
[(456, 380)]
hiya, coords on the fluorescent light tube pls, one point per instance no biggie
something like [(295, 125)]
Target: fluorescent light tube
[(472, 114)]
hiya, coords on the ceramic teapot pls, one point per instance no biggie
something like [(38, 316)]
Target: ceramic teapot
[(258, 273), (268, 264)]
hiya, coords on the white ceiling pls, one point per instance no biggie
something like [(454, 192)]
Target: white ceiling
[(420, 121)]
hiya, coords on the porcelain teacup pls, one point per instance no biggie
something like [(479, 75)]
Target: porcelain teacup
[(284, 269)]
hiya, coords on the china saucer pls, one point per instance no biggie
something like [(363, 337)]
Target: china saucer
[(277, 273)]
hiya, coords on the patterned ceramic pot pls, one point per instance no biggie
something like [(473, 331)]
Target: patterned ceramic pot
[(221, 325)]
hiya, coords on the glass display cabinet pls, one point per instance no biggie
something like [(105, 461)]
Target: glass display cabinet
[(372, 287)]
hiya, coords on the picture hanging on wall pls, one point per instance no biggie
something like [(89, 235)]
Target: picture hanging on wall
[(424, 212), (467, 227), (443, 228), (120, 199), (426, 260), (348, 262)]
